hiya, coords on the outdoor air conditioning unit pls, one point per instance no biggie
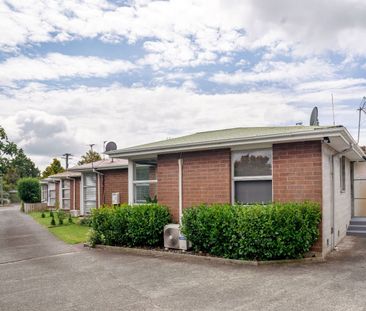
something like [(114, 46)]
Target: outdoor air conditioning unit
[(115, 198), (173, 238)]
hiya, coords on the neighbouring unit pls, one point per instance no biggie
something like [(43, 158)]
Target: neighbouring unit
[(173, 238), (115, 198)]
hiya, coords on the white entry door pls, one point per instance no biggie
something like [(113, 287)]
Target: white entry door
[(359, 189)]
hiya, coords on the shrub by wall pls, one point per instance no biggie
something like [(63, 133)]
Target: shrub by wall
[(261, 232), (29, 190), (125, 225)]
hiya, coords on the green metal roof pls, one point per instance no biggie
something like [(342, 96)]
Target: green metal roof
[(223, 135)]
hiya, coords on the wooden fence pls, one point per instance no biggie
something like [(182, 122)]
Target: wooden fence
[(34, 207)]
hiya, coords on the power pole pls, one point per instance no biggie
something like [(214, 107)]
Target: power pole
[(66, 157)]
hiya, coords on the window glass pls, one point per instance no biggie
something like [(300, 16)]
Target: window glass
[(66, 183), (90, 194), (252, 163), (145, 192), (66, 194), (253, 191), (66, 204), (343, 173), (90, 180), (142, 172)]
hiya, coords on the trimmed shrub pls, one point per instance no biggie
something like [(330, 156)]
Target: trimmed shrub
[(70, 219), (260, 232), (53, 222), (61, 217), (125, 225), (85, 221), (29, 190)]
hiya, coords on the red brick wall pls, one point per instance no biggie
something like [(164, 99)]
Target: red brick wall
[(114, 181), (206, 178), (167, 174), (297, 174)]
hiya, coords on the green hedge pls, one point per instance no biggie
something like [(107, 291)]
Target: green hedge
[(261, 232), (29, 190), (125, 225)]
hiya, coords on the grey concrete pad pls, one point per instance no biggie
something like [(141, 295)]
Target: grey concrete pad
[(61, 277)]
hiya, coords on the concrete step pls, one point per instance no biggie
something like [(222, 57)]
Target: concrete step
[(356, 228), (358, 221), (357, 233)]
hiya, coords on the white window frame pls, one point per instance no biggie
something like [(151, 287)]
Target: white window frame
[(248, 178), (44, 193), (53, 190), (133, 182), (82, 193), (63, 199)]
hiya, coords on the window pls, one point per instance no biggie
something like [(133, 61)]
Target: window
[(144, 183), (343, 173), (44, 193), (52, 194), (252, 176), (90, 192), (65, 190)]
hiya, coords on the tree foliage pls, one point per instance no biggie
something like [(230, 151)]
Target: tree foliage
[(14, 164), (29, 190), (54, 168), (89, 157)]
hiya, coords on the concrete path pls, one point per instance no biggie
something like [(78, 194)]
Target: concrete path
[(38, 272)]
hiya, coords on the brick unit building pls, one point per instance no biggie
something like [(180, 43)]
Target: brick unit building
[(246, 165), (83, 187), (101, 180), (62, 190)]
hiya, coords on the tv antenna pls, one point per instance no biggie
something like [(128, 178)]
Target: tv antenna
[(314, 121), (362, 108)]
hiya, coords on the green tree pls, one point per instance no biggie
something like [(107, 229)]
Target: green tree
[(24, 166), (14, 164), (54, 168), (29, 190), (7, 150), (90, 156)]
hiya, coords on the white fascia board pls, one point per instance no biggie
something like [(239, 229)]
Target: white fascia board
[(281, 138)]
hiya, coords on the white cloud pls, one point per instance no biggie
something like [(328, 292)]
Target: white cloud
[(191, 32), (131, 116), (271, 71), (56, 66), (41, 134)]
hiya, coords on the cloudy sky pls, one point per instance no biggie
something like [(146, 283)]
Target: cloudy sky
[(79, 72)]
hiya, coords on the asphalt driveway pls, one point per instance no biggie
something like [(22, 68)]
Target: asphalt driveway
[(39, 272)]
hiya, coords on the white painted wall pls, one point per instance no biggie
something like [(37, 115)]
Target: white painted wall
[(342, 200), (327, 199)]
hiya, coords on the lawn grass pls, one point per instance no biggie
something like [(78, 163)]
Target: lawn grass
[(69, 233)]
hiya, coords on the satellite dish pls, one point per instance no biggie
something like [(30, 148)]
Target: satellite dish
[(314, 121), (111, 146)]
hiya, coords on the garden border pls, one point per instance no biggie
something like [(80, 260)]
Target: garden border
[(197, 258)]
